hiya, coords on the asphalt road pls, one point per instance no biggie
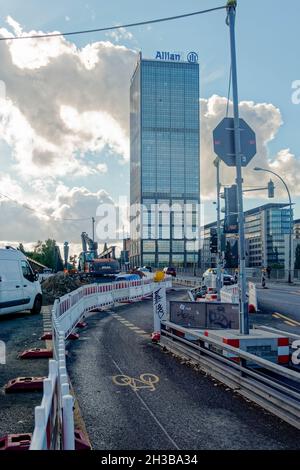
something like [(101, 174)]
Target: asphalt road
[(280, 304), (20, 332), (179, 409)]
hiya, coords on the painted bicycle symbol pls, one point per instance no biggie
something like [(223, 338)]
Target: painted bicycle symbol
[(144, 381)]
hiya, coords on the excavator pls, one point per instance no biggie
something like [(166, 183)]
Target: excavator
[(96, 265)]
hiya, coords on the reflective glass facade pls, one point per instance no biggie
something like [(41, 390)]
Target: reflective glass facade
[(165, 158), (267, 231)]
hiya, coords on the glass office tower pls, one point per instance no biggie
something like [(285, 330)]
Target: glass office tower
[(164, 165)]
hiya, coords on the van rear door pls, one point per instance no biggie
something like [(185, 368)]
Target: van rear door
[(11, 287), (28, 282)]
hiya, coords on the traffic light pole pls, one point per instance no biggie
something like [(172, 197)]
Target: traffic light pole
[(244, 315)]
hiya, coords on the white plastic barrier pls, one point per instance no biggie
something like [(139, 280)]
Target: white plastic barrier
[(46, 418), (230, 294), (54, 420), (253, 295)]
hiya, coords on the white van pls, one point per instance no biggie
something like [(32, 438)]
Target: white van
[(19, 285)]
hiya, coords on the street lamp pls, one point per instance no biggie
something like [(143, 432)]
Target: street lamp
[(291, 218)]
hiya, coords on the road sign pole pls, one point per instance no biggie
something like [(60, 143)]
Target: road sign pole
[(244, 316), (219, 257)]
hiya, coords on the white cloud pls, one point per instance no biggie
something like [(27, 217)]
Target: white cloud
[(119, 35), (266, 120), (63, 102), (31, 220), (102, 168), (99, 129)]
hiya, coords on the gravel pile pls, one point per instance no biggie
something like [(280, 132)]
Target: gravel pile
[(61, 284)]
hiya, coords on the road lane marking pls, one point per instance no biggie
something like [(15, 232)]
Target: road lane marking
[(285, 318), (144, 381), (149, 411), (289, 323), (132, 327), (275, 316)]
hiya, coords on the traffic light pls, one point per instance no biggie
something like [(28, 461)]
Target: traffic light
[(271, 189), (231, 210), (213, 240)]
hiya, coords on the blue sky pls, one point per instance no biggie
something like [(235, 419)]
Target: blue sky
[(267, 38)]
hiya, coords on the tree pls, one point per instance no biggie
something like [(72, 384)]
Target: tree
[(21, 248), (45, 253), (297, 260)]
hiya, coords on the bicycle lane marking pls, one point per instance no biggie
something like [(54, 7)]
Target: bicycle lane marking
[(148, 409)]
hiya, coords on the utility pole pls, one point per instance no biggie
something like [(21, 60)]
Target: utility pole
[(244, 315), (219, 269), (93, 228), (194, 267)]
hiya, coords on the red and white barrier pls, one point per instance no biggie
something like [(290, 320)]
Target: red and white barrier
[(54, 420), (230, 294), (253, 305), (46, 415)]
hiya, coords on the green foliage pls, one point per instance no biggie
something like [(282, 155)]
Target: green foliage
[(21, 248), (44, 253)]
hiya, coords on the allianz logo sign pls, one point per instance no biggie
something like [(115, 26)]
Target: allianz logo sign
[(192, 57)]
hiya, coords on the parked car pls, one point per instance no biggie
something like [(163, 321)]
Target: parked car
[(19, 285), (148, 268), (170, 271), (228, 280)]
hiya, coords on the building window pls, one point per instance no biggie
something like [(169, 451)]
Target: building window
[(149, 246), (177, 246), (163, 246)]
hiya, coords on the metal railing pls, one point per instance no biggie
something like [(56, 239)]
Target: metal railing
[(273, 387)]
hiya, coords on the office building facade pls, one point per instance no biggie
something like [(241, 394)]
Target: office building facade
[(267, 230), (297, 229), (164, 163)]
